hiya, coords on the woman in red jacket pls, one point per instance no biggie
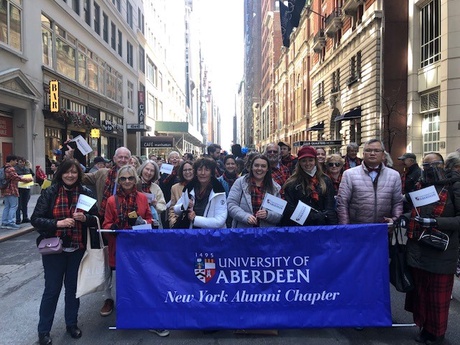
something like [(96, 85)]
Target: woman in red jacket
[(126, 208)]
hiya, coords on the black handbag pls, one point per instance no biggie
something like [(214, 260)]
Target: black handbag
[(400, 276), (182, 222), (434, 238)]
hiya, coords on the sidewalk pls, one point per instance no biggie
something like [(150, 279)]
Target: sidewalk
[(6, 234)]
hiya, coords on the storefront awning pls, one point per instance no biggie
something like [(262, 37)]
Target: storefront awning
[(157, 142), (318, 127), (179, 130), (352, 114)]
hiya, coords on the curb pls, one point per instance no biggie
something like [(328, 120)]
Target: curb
[(17, 233)]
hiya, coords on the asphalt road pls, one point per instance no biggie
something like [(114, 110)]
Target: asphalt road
[(21, 287)]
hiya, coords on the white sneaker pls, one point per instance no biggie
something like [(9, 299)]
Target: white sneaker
[(160, 332)]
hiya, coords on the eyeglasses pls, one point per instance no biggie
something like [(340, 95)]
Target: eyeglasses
[(123, 179), (373, 150), (432, 164), (336, 164), (272, 151)]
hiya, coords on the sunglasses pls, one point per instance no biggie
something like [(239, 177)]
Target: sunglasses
[(272, 151), (130, 179), (334, 164)]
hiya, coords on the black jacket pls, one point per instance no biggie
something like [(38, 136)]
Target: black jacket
[(46, 225)]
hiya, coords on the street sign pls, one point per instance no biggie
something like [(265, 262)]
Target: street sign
[(137, 127), (319, 143)]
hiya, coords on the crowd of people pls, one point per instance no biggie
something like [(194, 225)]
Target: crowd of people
[(218, 190)]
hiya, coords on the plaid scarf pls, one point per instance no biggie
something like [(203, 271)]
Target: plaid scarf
[(347, 164), (170, 177), (414, 230), (126, 203), (313, 186), (335, 182), (108, 190), (64, 208), (280, 174), (145, 187), (257, 195), (229, 178)]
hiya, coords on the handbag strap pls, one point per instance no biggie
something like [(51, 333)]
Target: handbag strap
[(88, 237)]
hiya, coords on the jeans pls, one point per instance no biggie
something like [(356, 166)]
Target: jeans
[(58, 268), (9, 212), (24, 197)]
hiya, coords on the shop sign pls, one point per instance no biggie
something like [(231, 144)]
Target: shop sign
[(54, 96)]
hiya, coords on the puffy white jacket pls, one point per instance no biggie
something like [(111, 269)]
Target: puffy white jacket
[(359, 200), (215, 213)]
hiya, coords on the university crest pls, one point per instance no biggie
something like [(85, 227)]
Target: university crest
[(205, 269)]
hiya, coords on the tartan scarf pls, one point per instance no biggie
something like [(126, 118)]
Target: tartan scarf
[(335, 182), (403, 180), (108, 190), (172, 176), (229, 178), (126, 203), (257, 195), (145, 187), (64, 208), (347, 162), (413, 230), (313, 186)]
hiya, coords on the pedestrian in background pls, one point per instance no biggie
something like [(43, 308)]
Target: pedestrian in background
[(185, 175), (56, 215), (24, 192), (11, 193), (148, 176)]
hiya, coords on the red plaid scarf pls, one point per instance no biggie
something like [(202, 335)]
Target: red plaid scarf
[(414, 230), (145, 187), (257, 195), (64, 208), (347, 163), (288, 162), (108, 190), (280, 174), (172, 176), (126, 203), (335, 182), (403, 180), (313, 185)]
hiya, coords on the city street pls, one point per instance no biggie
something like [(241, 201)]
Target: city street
[(21, 287)]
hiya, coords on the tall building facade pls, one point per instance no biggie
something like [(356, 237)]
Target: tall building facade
[(252, 72), (433, 114)]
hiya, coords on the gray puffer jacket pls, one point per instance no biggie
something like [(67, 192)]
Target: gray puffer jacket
[(359, 200)]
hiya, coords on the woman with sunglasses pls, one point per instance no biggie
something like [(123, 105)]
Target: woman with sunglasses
[(432, 268), (334, 164), (185, 174), (311, 186), (126, 208)]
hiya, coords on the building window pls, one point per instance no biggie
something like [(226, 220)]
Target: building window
[(129, 53), (335, 81), (87, 11), (129, 14), (130, 95), (105, 27), (65, 53), (429, 108), (76, 6), (117, 3), (320, 98), (120, 43), (47, 42), (113, 36), (140, 20), (97, 18), (11, 23), (355, 69), (430, 35), (141, 59)]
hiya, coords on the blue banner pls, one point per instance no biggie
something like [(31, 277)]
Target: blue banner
[(255, 278)]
